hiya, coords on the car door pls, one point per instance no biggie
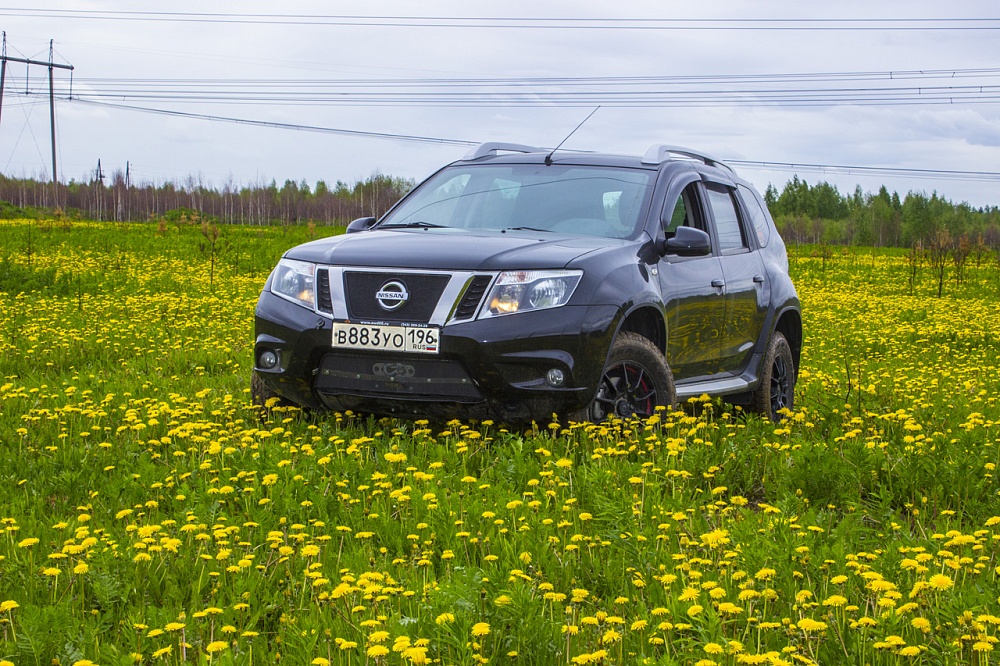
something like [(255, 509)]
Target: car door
[(693, 291), (743, 270)]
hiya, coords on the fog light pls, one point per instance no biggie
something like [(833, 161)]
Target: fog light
[(268, 359), (555, 377)]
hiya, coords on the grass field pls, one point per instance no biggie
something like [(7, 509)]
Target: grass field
[(149, 516)]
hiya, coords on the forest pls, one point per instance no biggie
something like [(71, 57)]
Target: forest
[(804, 213)]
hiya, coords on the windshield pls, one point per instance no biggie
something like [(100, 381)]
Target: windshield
[(578, 200)]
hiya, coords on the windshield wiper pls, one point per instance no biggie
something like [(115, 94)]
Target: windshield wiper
[(547, 231), (413, 225)]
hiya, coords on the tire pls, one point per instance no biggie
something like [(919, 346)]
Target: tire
[(634, 382), (261, 394), (777, 379)]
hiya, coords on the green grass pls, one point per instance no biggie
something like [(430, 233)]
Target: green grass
[(150, 516)]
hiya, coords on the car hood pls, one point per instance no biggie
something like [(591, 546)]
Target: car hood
[(450, 249)]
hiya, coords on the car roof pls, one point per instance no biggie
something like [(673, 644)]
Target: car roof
[(658, 156)]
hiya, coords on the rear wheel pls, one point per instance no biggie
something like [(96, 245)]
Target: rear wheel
[(635, 381), (777, 382)]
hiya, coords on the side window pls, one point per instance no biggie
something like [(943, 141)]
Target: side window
[(727, 219), (758, 218), (686, 213)]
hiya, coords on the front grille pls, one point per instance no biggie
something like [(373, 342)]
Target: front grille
[(406, 379), (424, 291), (470, 301), (324, 299)]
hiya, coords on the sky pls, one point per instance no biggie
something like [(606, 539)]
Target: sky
[(905, 93)]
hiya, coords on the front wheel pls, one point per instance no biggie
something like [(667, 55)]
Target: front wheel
[(777, 381), (264, 397), (635, 381)]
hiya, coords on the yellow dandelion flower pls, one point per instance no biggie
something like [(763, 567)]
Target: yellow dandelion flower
[(480, 629), (610, 636), (809, 625), (940, 582)]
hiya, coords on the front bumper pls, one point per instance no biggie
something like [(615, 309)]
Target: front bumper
[(490, 368)]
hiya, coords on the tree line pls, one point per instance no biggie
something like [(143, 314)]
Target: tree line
[(255, 204), (804, 213), (821, 214)]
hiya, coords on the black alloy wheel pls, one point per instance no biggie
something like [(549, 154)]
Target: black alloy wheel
[(635, 381), (777, 383)]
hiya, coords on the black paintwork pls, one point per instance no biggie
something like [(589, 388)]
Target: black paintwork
[(711, 312)]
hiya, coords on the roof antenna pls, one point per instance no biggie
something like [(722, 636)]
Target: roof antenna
[(548, 158)]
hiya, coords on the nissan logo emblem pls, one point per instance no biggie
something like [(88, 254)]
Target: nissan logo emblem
[(392, 295)]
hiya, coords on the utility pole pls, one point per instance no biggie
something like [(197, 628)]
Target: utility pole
[(52, 120), (3, 70), (4, 58)]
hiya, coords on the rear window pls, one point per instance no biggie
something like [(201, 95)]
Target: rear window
[(758, 218)]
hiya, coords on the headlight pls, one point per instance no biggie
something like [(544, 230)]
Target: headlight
[(523, 291), (296, 281)]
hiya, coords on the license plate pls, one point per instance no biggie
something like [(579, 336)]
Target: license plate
[(386, 338)]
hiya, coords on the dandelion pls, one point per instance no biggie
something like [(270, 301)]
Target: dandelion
[(416, 655), (480, 629), (809, 625), (376, 651), (940, 582)]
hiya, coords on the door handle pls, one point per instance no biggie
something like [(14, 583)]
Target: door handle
[(759, 279), (718, 283)]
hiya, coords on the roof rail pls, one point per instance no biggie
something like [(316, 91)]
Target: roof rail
[(491, 147), (658, 153)]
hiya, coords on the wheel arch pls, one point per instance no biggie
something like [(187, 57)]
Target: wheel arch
[(646, 320), (790, 325)]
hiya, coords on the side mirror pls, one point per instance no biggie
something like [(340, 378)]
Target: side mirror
[(360, 224), (686, 242)]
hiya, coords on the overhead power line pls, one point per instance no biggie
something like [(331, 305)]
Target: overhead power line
[(941, 86), (936, 174), (276, 125), (518, 22), (771, 166)]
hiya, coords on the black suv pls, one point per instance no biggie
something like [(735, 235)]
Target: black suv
[(517, 283)]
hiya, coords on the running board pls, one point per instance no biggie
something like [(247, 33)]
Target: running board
[(712, 387)]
